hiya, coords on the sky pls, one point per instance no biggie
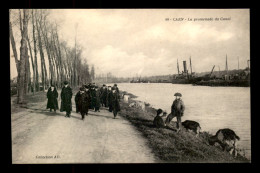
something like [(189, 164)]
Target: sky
[(131, 42)]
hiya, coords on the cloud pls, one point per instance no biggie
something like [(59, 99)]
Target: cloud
[(187, 33), (121, 63), (127, 42)]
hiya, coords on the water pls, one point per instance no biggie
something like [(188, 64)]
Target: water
[(213, 107)]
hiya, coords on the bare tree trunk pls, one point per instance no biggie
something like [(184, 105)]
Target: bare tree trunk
[(53, 64), (41, 54), (35, 56), (67, 65), (55, 55), (28, 86), (59, 56), (30, 48), (14, 47), (45, 74), (46, 41), (23, 56)]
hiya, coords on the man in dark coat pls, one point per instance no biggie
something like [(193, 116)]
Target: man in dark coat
[(52, 96), (82, 99), (66, 95), (103, 95), (87, 91), (117, 90), (115, 102), (92, 92), (109, 98), (96, 99), (77, 99), (177, 110)]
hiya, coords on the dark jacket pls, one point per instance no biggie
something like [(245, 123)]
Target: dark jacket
[(158, 122), (52, 99), (91, 92), (82, 102), (177, 108), (66, 95), (103, 94), (115, 101), (109, 97), (117, 90), (96, 98)]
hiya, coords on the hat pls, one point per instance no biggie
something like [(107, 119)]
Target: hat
[(115, 84), (159, 111), (104, 85), (86, 86), (65, 82), (177, 94), (82, 89)]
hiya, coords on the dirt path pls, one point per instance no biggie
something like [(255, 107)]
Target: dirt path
[(40, 136)]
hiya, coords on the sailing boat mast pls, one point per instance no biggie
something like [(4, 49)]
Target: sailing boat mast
[(190, 67), (226, 65)]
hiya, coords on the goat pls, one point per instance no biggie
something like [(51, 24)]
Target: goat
[(192, 125), (138, 104), (224, 137), (126, 97)]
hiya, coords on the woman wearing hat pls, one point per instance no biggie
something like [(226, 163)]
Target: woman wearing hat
[(115, 101), (52, 96), (177, 110), (66, 95), (117, 90)]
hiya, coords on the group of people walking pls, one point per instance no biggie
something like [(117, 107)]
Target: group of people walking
[(89, 96)]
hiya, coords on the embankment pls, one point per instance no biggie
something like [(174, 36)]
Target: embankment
[(169, 146), (232, 83)]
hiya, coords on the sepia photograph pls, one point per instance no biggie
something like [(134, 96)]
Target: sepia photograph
[(116, 86)]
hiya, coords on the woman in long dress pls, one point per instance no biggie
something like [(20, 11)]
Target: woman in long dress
[(52, 96)]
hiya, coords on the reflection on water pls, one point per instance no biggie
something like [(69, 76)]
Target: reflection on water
[(213, 107)]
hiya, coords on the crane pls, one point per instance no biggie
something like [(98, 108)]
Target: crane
[(212, 71)]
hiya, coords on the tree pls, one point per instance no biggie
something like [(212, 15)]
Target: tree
[(43, 67), (13, 46), (35, 54), (92, 73), (48, 49), (33, 66), (23, 55)]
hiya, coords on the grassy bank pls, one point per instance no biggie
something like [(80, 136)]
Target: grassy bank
[(29, 100), (169, 146)]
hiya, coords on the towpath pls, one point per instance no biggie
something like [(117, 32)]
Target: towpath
[(40, 136)]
